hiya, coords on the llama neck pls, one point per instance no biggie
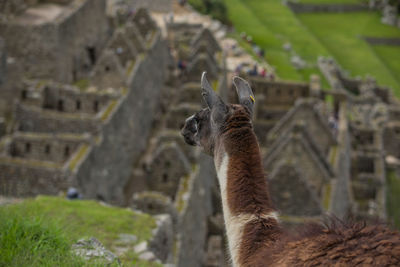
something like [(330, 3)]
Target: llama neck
[(251, 222)]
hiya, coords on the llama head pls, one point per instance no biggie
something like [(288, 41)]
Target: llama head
[(206, 126)]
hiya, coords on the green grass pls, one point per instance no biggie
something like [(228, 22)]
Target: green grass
[(40, 232), (82, 84), (344, 42), (33, 242), (271, 24), (332, 1), (244, 20), (391, 56), (217, 9), (393, 198)]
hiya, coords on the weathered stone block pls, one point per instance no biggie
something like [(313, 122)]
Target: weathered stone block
[(167, 166), (291, 192)]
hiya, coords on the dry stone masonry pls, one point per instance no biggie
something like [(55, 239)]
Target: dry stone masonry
[(99, 107)]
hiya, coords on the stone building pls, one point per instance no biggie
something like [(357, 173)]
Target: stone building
[(100, 133), (371, 134), (184, 176), (58, 40), (59, 127)]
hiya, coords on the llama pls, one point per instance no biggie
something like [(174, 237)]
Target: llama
[(255, 235)]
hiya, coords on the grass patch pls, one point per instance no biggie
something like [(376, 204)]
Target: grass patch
[(81, 152), (345, 43), (391, 56), (215, 8), (44, 229), (82, 84), (271, 24), (31, 162), (108, 110), (130, 67), (33, 242), (183, 190), (333, 1), (327, 196), (393, 198), (244, 20)]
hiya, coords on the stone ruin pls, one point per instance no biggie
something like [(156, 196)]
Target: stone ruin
[(370, 118), (105, 118), (60, 131), (109, 124)]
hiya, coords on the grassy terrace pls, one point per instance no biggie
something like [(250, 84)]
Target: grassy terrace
[(40, 232), (271, 24), (346, 45), (332, 1)]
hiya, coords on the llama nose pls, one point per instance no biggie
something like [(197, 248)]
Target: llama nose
[(188, 138), (183, 132)]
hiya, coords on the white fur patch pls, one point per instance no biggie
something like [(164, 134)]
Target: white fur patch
[(235, 224)]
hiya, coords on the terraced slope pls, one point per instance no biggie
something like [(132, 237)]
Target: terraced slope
[(272, 24)]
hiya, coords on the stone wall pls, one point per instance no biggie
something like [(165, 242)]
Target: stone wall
[(30, 178), (382, 41), (279, 92), (337, 8), (108, 168), (46, 147), (337, 78), (391, 139), (71, 100), (32, 119), (58, 49), (306, 112), (341, 200), (164, 6), (192, 222)]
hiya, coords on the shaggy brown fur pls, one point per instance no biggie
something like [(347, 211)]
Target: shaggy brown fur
[(262, 240), (337, 245)]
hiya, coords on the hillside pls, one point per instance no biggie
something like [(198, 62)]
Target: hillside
[(340, 35)]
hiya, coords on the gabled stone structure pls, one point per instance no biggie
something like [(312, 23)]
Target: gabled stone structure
[(203, 47), (181, 34), (166, 168), (297, 148), (144, 23), (202, 62), (287, 185), (305, 110), (108, 72), (133, 34), (205, 36), (122, 47)]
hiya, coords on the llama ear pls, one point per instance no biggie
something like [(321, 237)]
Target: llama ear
[(214, 102), (245, 94)]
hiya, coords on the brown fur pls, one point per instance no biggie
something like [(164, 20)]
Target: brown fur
[(338, 245), (247, 188), (263, 242)]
